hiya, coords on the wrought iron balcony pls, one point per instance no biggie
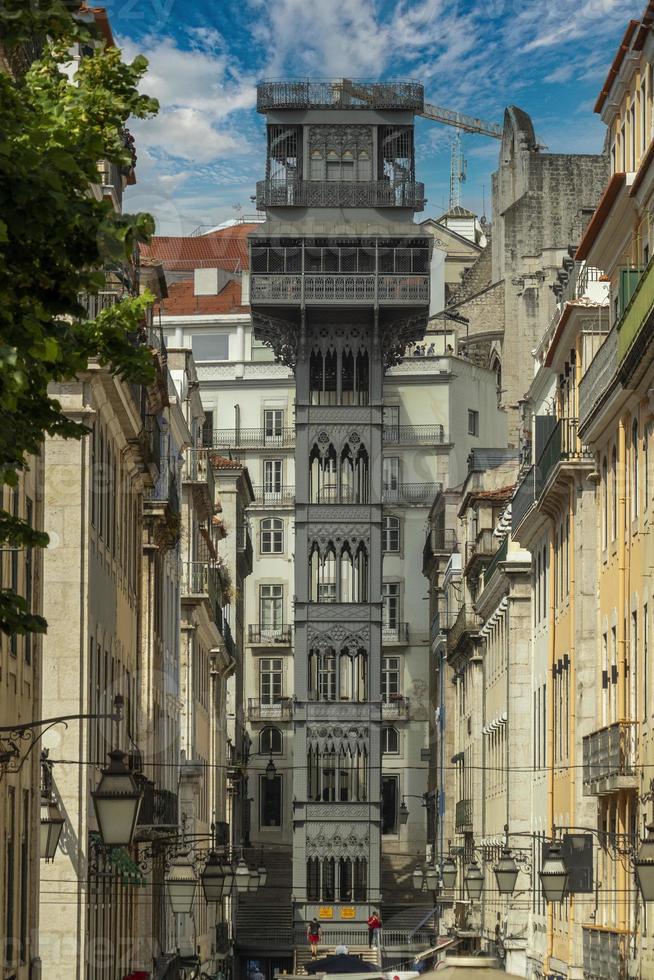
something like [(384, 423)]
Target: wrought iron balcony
[(499, 556), (355, 289), (463, 816), (159, 807), (442, 622), (481, 549), (466, 624), (414, 435), (596, 380), (165, 491), (395, 706), (341, 194), (253, 438), (609, 757), (340, 93), (270, 636), (636, 302), (605, 953), (421, 494), (397, 634), (562, 446), (259, 710), (198, 471), (438, 541), (274, 498), (200, 583), (525, 497), (95, 303)]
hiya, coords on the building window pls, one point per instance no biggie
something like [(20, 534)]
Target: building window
[(390, 679), (207, 428), (273, 423), (391, 474), (390, 741), (271, 741), (271, 607), (270, 680), (272, 475), (389, 803), (271, 801), (391, 605), (473, 422), (634, 469), (210, 346), (605, 503), (272, 537), (391, 534), (614, 495)]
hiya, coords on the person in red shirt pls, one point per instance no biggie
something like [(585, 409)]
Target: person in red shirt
[(374, 925)]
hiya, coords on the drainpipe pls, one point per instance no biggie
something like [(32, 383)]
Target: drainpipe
[(550, 729), (572, 697), (623, 667)]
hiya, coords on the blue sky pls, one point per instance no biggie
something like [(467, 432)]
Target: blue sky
[(200, 158)]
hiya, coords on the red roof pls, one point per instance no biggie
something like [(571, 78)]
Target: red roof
[(223, 463), (226, 248), (182, 301)]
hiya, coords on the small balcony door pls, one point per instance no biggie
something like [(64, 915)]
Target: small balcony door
[(270, 686), (271, 609), (273, 421), (272, 476), (390, 679)]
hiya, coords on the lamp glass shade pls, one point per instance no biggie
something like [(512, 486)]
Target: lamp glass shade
[(404, 813), (554, 875), (448, 873), (228, 876), (644, 866), (506, 873), (271, 770), (117, 802), (431, 879), (52, 824), (213, 879), (253, 883), (181, 883), (474, 881), (262, 871), (242, 876), (418, 877)]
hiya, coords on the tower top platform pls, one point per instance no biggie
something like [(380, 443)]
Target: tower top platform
[(340, 93)]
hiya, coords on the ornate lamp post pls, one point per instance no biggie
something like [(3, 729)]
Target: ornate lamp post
[(554, 875), (506, 872), (474, 881), (181, 883), (644, 865), (213, 879), (448, 873), (117, 802), (52, 820)]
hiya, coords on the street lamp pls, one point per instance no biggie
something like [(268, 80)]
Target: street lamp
[(262, 871), (474, 881), (404, 812), (418, 877), (242, 876), (181, 882), (506, 872), (271, 770), (213, 879), (117, 802), (554, 875), (52, 824), (229, 876), (253, 882), (448, 873), (644, 865), (431, 879)]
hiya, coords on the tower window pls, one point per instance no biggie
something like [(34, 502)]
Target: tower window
[(272, 536), (270, 741)]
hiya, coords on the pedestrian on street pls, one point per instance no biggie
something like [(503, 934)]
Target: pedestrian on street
[(374, 925), (313, 935)]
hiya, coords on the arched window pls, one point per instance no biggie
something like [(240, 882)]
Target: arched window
[(390, 741), (391, 534), (272, 536), (270, 741), (634, 469)]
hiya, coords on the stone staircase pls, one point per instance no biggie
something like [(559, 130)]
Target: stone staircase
[(264, 919), (303, 955)]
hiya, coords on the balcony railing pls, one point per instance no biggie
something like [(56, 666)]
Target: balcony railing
[(95, 303), (412, 493), (275, 636), (439, 540), (636, 301), (259, 710), (442, 622), (399, 633), (159, 807), (605, 953), (165, 489), (562, 445), (253, 438), (414, 435), (244, 543), (525, 497), (466, 622), (200, 581), (339, 94), (395, 290), (463, 815), (601, 370), (499, 556), (271, 497), (609, 757), (395, 706), (341, 194), (484, 546), (198, 470)]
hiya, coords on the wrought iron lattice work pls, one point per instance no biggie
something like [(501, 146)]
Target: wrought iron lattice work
[(338, 94)]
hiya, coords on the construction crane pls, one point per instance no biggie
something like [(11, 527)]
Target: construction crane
[(449, 117)]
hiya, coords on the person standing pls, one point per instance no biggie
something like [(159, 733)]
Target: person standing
[(313, 935), (374, 925)]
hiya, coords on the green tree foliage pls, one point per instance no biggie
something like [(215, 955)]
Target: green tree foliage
[(57, 241)]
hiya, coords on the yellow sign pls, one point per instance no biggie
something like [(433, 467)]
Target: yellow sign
[(325, 912), (348, 913)]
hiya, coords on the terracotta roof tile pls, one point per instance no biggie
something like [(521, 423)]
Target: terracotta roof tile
[(226, 248), (223, 463), (181, 300)]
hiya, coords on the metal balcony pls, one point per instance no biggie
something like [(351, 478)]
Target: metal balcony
[(280, 497), (223, 439), (395, 706), (340, 93), (259, 710), (605, 953), (95, 303), (563, 445), (609, 758), (596, 380), (395, 635), (159, 807), (465, 625), (244, 550), (499, 556), (340, 194), (414, 435), (198, 471), (438, 541), (480, 550), (442, 622), (463, 816), (420, 494), (525, 497), (200, 584), (352, 289), (270, 636)]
